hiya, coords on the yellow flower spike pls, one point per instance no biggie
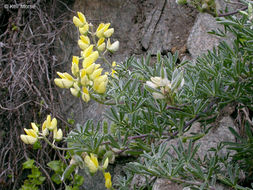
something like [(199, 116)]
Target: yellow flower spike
[(57, 134), (81, 17), (90, 59), (35, 128), (112, 47), (92, 163), (108, 181), (88, 51), (96, 73), (63, 83), (109, 33), (84, 30), (77, 22), (75, 66), (105, 165), (28, 139), (85, 95)]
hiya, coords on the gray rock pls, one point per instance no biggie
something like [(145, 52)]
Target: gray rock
[(199, 40), (165, 184), (215, 136), (223, 6)]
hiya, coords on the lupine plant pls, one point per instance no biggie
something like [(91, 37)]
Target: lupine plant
[(151, 102)]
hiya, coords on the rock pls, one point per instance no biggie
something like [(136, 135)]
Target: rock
[(165, 184), (223, 6), (166, 26), (138, 181), (215, 136), (199, 40)]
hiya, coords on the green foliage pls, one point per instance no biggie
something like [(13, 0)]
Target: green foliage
[(35, 179), (151, 102)]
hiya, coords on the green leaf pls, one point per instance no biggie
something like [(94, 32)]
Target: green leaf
[(66, 174), (28, 164), (78, 180), (56, 165)]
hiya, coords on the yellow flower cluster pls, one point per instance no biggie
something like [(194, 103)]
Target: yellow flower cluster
[(89, 77), (32, 135), (93, 166)]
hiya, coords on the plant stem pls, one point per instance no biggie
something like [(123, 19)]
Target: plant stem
[(54, 146)]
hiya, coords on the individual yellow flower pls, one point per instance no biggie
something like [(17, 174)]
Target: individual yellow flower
[(32, 135), (63, 83), (84, 29), (85, 94), (102, 28), (87, 51), (112, 47), (92, 163), (76, 90), (75, 66), (81, 21), (57, 134), (108, 181), (66, 80), (96, 73), (100, 84), (84, 42), (35, 128), (84, 78), (101, 44), (27, 139), (108, 33)]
